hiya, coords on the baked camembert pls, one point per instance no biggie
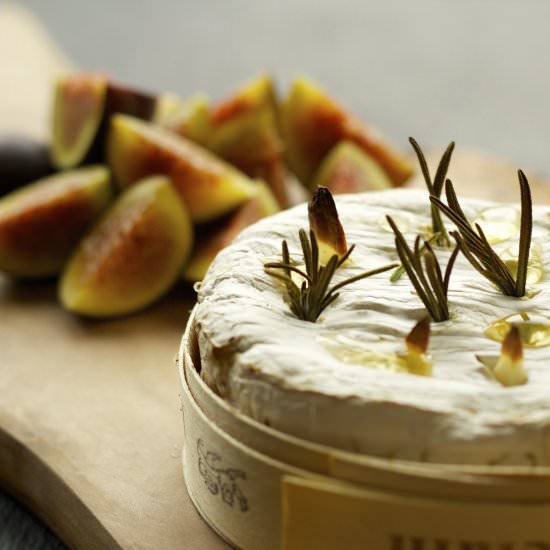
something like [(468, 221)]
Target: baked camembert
[(361, 376)]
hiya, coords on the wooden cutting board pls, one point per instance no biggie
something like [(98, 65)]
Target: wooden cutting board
[(90, 421), (90, 425)]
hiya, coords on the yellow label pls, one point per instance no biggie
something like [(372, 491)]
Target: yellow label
[(322, 515)]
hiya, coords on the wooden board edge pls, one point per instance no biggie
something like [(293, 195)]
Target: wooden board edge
[(49, 497)]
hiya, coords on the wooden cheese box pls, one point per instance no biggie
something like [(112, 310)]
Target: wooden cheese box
[(260, 488)]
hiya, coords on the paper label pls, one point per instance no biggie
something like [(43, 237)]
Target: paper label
[(322, 514)]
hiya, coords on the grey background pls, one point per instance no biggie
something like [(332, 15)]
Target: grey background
[(476, 71), (472, 70)]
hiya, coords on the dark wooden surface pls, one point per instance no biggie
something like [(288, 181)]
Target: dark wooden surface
[(470, 71)]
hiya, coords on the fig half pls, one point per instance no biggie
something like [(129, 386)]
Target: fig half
[(209, 187), (132, 255), (41, 223)]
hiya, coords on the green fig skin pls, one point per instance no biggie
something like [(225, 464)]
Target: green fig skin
[(132, 256), (41, 223)]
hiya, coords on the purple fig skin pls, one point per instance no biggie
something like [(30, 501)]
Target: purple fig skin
[(121, 100), (23, 160), (129, 101)]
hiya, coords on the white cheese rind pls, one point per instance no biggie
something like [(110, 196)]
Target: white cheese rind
[(277, 369)]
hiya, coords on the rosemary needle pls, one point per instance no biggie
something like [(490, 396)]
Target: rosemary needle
[(435, 187), (426, 276), (476, 248)]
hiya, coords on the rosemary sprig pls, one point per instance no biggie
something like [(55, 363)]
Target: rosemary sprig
[(435, 187), (310, 299), (400, 269), (428, 280), (478, 251)]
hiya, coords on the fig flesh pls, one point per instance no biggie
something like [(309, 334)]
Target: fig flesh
[(83, 106), (313, 124), (245, 132), (211, 240), (41, 223), (254, 96), (190, 118), (132, 255), (209, 186), (348, 169), (79, 104)]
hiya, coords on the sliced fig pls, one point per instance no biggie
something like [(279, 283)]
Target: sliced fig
[(41, 223), (313, 123), (190, 118), (245, 132), (22, 160), (208, 186), (133, 254), (256, 95), (83, 106), (79, 105), (253, 145), (210, 240), (167, 108), (348, 169)]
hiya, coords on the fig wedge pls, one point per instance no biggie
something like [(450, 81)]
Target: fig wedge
[(41, 223), (209, 187), (83, 106), (79, 104), (210, 240), (313, 123), (256, 95), (246, 133), (189, 118), (133, 254), (348, 169)]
